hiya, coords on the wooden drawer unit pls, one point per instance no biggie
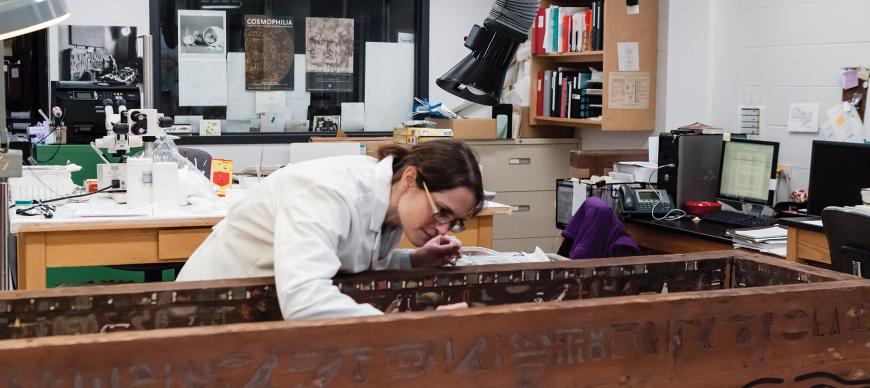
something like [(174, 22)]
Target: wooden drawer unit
[(533, 214), (547, 244), (523, 167), (179, 244)]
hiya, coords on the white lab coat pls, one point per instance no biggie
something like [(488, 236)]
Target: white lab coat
[(303, 224)]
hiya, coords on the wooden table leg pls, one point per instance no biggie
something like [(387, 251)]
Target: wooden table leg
[(31, 261), (791, 250), (484, 231)]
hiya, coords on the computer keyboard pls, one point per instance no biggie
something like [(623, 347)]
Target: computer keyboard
[(738, 219)]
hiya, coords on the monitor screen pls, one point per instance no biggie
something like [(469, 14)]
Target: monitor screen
[(838, 172), (747, 168)]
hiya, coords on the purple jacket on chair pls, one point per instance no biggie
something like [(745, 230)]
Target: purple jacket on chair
[(598, 233)]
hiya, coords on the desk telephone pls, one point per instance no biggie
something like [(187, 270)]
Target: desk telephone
[(643, 201)]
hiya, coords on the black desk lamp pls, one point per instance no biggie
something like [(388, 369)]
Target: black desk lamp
[(480, 76)]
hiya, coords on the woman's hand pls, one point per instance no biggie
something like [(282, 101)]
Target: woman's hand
[(437, 252)]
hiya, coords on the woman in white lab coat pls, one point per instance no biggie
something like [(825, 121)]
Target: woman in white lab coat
[(308, 221)]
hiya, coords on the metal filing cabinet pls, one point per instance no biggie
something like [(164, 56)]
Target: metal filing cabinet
[(523, 174)]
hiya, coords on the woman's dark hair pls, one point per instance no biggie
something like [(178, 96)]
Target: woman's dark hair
[(443, 164)]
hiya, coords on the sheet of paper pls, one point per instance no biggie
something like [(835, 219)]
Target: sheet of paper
[(240, 102), (389, 92), (628, 90), (298, 99), (629, 56), (271, 102), (353, 116), (814, 222), (202, 60), (273, 122), (202, 82), (803, 117)]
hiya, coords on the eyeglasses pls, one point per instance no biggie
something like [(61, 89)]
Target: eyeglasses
[(442, 216)]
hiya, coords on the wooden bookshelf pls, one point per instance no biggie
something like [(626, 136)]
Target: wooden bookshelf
[(568, 122), (619, 26), (587, 56)]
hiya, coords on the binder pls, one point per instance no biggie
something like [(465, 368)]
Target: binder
[(538, 32), (548, 78), (539, 94)]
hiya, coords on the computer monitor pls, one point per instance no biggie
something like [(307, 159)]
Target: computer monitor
[(748, 170), (838, 172)]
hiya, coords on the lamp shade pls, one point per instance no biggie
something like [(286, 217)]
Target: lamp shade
[(18, 17)]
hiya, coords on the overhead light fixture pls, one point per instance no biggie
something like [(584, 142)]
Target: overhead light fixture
[(18, 17), (479, 77)]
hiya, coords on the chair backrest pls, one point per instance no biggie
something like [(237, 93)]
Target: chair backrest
[(201, 159), (848, 233), (300, 152)]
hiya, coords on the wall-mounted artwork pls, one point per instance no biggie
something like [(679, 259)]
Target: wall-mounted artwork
[(101, 54), (269, 50), (329, 44)]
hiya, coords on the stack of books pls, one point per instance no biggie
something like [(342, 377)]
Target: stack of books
[(568, 29), (767, 239), (568, 93)]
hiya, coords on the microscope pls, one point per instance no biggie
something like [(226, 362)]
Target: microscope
[(126, 129), (131, 128)]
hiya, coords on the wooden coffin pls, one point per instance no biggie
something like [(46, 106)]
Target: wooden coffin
[(728, 319)]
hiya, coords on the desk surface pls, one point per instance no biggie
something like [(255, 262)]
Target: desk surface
[(185, 216), (703, 229), (801, 223)]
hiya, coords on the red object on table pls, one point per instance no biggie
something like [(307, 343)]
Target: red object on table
[(697, 208)]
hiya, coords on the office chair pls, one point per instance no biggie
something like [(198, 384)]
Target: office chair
[(848, 239), (200, 159)]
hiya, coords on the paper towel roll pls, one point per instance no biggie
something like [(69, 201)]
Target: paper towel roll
[(139, 180), (165, 187)]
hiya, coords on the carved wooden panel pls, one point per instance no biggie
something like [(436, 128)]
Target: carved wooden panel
[(756, 321)]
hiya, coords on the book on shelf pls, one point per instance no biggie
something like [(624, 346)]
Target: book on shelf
[(560, 29), (568, 93)]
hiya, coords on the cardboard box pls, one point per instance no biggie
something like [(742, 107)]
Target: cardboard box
[(412, 135), (469, 129), (371, 145), (585, 163)]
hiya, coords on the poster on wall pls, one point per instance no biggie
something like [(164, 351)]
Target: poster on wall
[(269, 48), (102, 54), (329, 46), (202, 58)]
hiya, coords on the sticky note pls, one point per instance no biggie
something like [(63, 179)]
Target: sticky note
[(850, 78), (863, 73), (726, 136)]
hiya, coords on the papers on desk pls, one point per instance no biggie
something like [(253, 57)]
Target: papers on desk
[(814, 222), (770, 240)]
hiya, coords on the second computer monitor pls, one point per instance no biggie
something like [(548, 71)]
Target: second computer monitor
[(748, 171)]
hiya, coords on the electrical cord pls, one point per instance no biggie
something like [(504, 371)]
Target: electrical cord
[(56, 150), (48, 210), (667, 216), (649, 179)]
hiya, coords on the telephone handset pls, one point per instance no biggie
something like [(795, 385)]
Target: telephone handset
[(644, 201)]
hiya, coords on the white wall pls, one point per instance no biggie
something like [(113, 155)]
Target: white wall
[(781, 51), (449, 23)]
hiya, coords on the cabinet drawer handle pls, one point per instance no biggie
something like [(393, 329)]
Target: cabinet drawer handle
[(520, 208), (518, 161)]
